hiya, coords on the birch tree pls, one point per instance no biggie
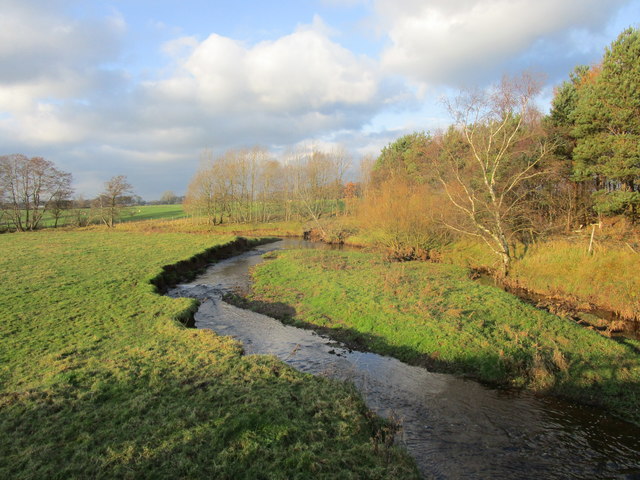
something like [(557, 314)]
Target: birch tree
[(495, 148)]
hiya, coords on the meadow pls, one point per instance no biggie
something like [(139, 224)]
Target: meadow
[(138, 213), (100, 379), (154, 212), (434, 315)]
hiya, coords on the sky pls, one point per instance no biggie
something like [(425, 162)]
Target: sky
[(141, 87)]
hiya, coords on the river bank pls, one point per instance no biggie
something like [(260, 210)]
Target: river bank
[(100, 379), (559, 269), (433, 314), (557, 275)]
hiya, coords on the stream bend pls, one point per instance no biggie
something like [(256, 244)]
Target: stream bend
[(453, 427)]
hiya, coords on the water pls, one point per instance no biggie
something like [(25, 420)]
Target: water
[(453, 427)]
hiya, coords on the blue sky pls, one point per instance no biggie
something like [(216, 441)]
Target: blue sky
[(141, 87)]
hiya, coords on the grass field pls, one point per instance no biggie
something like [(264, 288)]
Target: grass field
[(433, 314), (129, 214), (154, 212), (99, 379), (200, 225)]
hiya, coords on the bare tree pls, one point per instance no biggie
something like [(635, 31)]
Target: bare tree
[(111, 202), (249, 184), (81, 211), (29, 187), (494, 149), (314, 184), (168, 198), (341, 160), (60, 204), (202, 199)]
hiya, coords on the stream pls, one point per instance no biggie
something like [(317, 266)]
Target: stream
[(453, 427)]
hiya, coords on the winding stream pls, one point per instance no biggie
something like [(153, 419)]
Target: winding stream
[(453, 427)]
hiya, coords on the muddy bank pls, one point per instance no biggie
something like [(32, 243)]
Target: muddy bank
[(188, 269)]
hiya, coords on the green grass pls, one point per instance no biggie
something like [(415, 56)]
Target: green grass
[(608, 278), (129, 214), (99, 379), (154, 212), (433, 314)]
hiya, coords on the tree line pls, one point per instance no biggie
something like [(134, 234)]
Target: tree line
[(252, 185), (33, 190), (502, 172)]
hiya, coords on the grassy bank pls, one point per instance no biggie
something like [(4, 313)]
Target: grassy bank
[(608, 278), (433, 314), (560, 268), (99, 379)]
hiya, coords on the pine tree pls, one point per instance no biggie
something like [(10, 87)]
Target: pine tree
[(607, 127)]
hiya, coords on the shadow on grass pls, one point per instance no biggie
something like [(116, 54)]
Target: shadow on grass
[(243, 418), (369, 342)]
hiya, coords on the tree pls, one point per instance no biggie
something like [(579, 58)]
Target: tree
[(203, 198), (607, 126), (318, 182), (60, 204), (81, 211), (111, 202), (249, 184), (168, 198), (406, 158), (495, 148), (29, 187), (569, 195)]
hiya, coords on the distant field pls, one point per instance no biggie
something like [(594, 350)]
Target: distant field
[(154, 212), (99, 379), (129, 214), (433, 314)]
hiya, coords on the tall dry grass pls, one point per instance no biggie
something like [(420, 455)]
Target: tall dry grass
[(609, 277)]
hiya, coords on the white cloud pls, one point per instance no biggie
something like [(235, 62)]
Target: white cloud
[(301, 72), (46, 60), (461, 42)]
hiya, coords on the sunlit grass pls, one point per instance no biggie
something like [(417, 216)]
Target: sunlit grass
[(610, 277), (154, 212), (99, 379), (433, 314)]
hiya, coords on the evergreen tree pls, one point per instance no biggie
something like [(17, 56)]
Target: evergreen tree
[(406, 157), (607, 127)]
